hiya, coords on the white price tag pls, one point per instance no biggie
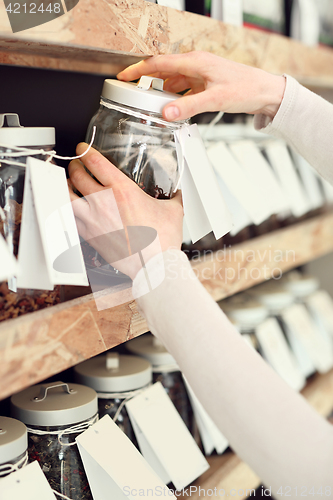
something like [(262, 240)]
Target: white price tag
[(280, 160), (256, 166), (211, 436), (49, 250), (28, 483), (320, 304), (174, 4), (301, 325), (114, 467), (8, 263), (328, 190), (310, 181), (232, 12), (239, 182), (278, 354), (239, 216), (163, 437), (204, 207)]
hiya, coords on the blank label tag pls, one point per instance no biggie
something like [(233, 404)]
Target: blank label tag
[(239, 182), (48, 231), (211, 436), (204, 207), (280, 160), (172, 446), (114, 467), (28, 483), (303, 327), (8, 263), (320, 304), (310, 181), (277, 353), (232, 12)]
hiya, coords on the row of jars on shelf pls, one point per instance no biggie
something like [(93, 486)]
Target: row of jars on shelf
[(51, 415)]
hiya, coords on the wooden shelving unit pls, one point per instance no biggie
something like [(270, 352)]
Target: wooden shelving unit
[(103, 38)]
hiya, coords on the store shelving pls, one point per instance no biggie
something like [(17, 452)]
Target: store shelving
[(103, 38)]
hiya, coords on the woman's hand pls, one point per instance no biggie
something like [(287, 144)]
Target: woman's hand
[(118, 203), (215, 83)]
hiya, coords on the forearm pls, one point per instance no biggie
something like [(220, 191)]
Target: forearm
[(268, 425), (305, 121)]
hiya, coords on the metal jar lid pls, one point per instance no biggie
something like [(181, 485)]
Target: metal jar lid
[(246, 312), (113, 373), (302, 286), (16, 135), (150, 348), (54, 404), (148, 94), (13, 439), (273, 296)]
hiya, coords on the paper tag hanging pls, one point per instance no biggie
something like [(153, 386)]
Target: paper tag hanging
[(240, 184), (302, 326), (8, 263), (277, 353), (163, 437), (211, 436), (113, 465), (280, 160), (258, 169), (204, 207), (310, 181), (28, 483), (49, 248), (320, 304)]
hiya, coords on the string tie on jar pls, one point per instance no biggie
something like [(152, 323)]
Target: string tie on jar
[(6, 469)]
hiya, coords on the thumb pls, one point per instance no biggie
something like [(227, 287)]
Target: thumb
[(188, 106)]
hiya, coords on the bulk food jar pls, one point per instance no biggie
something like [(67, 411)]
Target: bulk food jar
[(13, 445), (166, 371), (132, 133), (116, 379), (55, 414), (12, 175)]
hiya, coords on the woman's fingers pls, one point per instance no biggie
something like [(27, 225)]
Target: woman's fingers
[(189, 105), (81, 179)]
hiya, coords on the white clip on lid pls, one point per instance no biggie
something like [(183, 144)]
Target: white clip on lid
[(55, 404), (114, 373), (147, 95), (152, 349), (13, 439), (16, 135)]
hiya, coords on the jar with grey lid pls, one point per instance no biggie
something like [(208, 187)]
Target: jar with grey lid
[(277, 298), (12, 171), (116, 378), (166, 371), (13, 445), (132, 133), (55, 414)]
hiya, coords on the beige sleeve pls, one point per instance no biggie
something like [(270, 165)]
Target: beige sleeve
[(305, 121), (268, 425)]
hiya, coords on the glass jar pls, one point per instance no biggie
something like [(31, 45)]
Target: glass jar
[(166, 371), (13, 445), (12, 175), (55, 415), (116, 379), (132, 133), (15, 302)]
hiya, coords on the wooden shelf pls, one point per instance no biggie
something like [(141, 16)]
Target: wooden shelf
[(38, 345), (228, 472), (105, 36)]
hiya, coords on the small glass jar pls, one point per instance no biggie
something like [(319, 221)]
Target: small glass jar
[(116, 379), (55, 415), (15, 302), (132, 133), (166, 371), (13, 446)]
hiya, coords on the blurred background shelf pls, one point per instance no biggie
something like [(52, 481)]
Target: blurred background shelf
[(104, 37), (228, 472), (40, 344)]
